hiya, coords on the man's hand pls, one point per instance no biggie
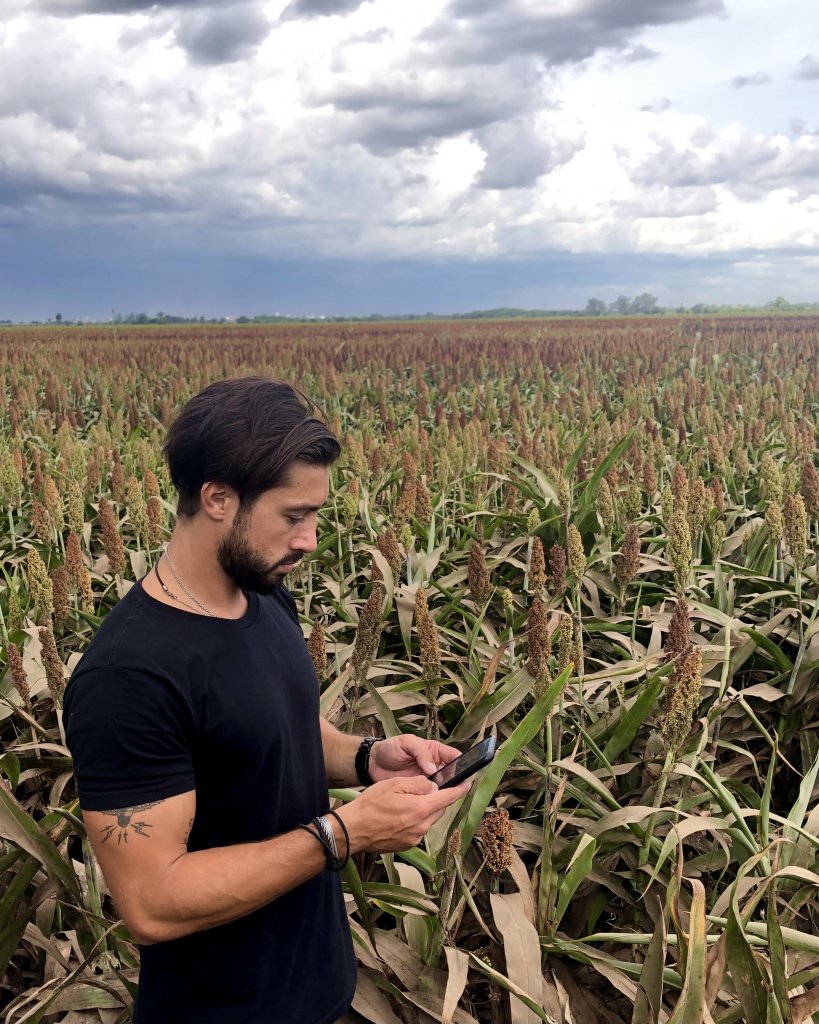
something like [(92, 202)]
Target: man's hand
[(408, 755), (397, 813)]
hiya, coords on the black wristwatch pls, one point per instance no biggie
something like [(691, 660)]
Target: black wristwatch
[(362, 760)]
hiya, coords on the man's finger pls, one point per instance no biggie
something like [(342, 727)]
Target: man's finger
[(417, 784), (445, 753), (445, 797)]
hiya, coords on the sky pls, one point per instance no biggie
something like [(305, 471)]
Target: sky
[(340, 157)]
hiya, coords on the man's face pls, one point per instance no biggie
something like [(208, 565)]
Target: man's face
[(264, 543)]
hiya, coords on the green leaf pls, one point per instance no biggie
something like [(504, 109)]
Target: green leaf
[(579, 867), (21, 829), (525, 732)]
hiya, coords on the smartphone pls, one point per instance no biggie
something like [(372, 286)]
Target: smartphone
[(467, 764)]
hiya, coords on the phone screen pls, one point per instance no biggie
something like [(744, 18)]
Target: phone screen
[(462, 764)]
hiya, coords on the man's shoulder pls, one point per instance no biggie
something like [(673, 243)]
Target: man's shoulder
[(281, 600)]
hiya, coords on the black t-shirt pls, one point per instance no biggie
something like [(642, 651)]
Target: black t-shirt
[(164, 702)]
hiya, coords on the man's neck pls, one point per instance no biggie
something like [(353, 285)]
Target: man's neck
[(195, 579)]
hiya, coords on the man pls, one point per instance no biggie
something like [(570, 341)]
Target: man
[(199, 752)]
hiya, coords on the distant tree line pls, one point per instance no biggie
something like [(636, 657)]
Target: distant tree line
[(641, 305), (647, 304)]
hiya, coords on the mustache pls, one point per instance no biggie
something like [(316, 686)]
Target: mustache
[(287, 561)]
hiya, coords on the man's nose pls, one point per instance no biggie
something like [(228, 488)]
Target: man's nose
[(306, 539)]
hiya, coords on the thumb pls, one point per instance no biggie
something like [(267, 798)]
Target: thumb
[(417, 784)]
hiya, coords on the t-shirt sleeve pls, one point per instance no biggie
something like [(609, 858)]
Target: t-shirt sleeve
[(286, 598), (131, 735)]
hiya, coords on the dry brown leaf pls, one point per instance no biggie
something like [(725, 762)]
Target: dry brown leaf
[(520, 876), (458, 964), (371, 1002), (522, 949)]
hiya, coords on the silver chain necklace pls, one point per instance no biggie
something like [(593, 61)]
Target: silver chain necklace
[(193, 597)]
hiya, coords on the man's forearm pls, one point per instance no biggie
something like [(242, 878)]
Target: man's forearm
[(212, 887), (339, 755)]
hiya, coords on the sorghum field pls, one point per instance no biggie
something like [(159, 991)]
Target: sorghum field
[(597, 539)]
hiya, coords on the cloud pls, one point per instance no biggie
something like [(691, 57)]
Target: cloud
[(808, 68), (489, 31), (657, 106), (640, 52), (68, 8), (742, 81), (319, 8), (216, 36), (414, 107), (749, 166), (517, 154)]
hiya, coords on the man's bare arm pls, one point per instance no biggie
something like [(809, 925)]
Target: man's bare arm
[(340, 749), (164, 892)]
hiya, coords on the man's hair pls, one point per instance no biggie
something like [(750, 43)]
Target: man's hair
[(244, 432)]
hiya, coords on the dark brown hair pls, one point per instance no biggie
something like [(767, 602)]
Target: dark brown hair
[(244, 432)]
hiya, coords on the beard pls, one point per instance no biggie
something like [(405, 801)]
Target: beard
[(247, 568)]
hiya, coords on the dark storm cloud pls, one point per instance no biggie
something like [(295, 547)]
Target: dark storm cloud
[(742, 81), (217, 36), (319, 8), (517, 155), (415, 110), (808, 68), (489, 31)]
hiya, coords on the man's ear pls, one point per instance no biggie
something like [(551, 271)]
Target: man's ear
[(218, 500)]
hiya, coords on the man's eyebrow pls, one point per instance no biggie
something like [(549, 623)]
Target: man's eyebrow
[(302, 508)]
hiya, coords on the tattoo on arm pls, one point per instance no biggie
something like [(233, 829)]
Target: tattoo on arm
[(125, 821)]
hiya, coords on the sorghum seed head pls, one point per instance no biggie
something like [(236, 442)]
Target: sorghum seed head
[(537, 568), (53, 503), (679, 549), (389, 548), (478, 574), (39, 584), (497, 837), (55, 674), (75, 506), (796, 528), (557, 569), (73, 560), (317, 646), (62, 605), (577, 556), (810, 489), (428, 636), (423, 505), (682, 700), (605, 507), (773, 521), (565, 643), (111, 539), (18, 673), (539, 640), (40, 521), (627, 562), (679, 630)]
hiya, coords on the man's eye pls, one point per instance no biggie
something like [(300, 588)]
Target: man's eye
[(295, 519)]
